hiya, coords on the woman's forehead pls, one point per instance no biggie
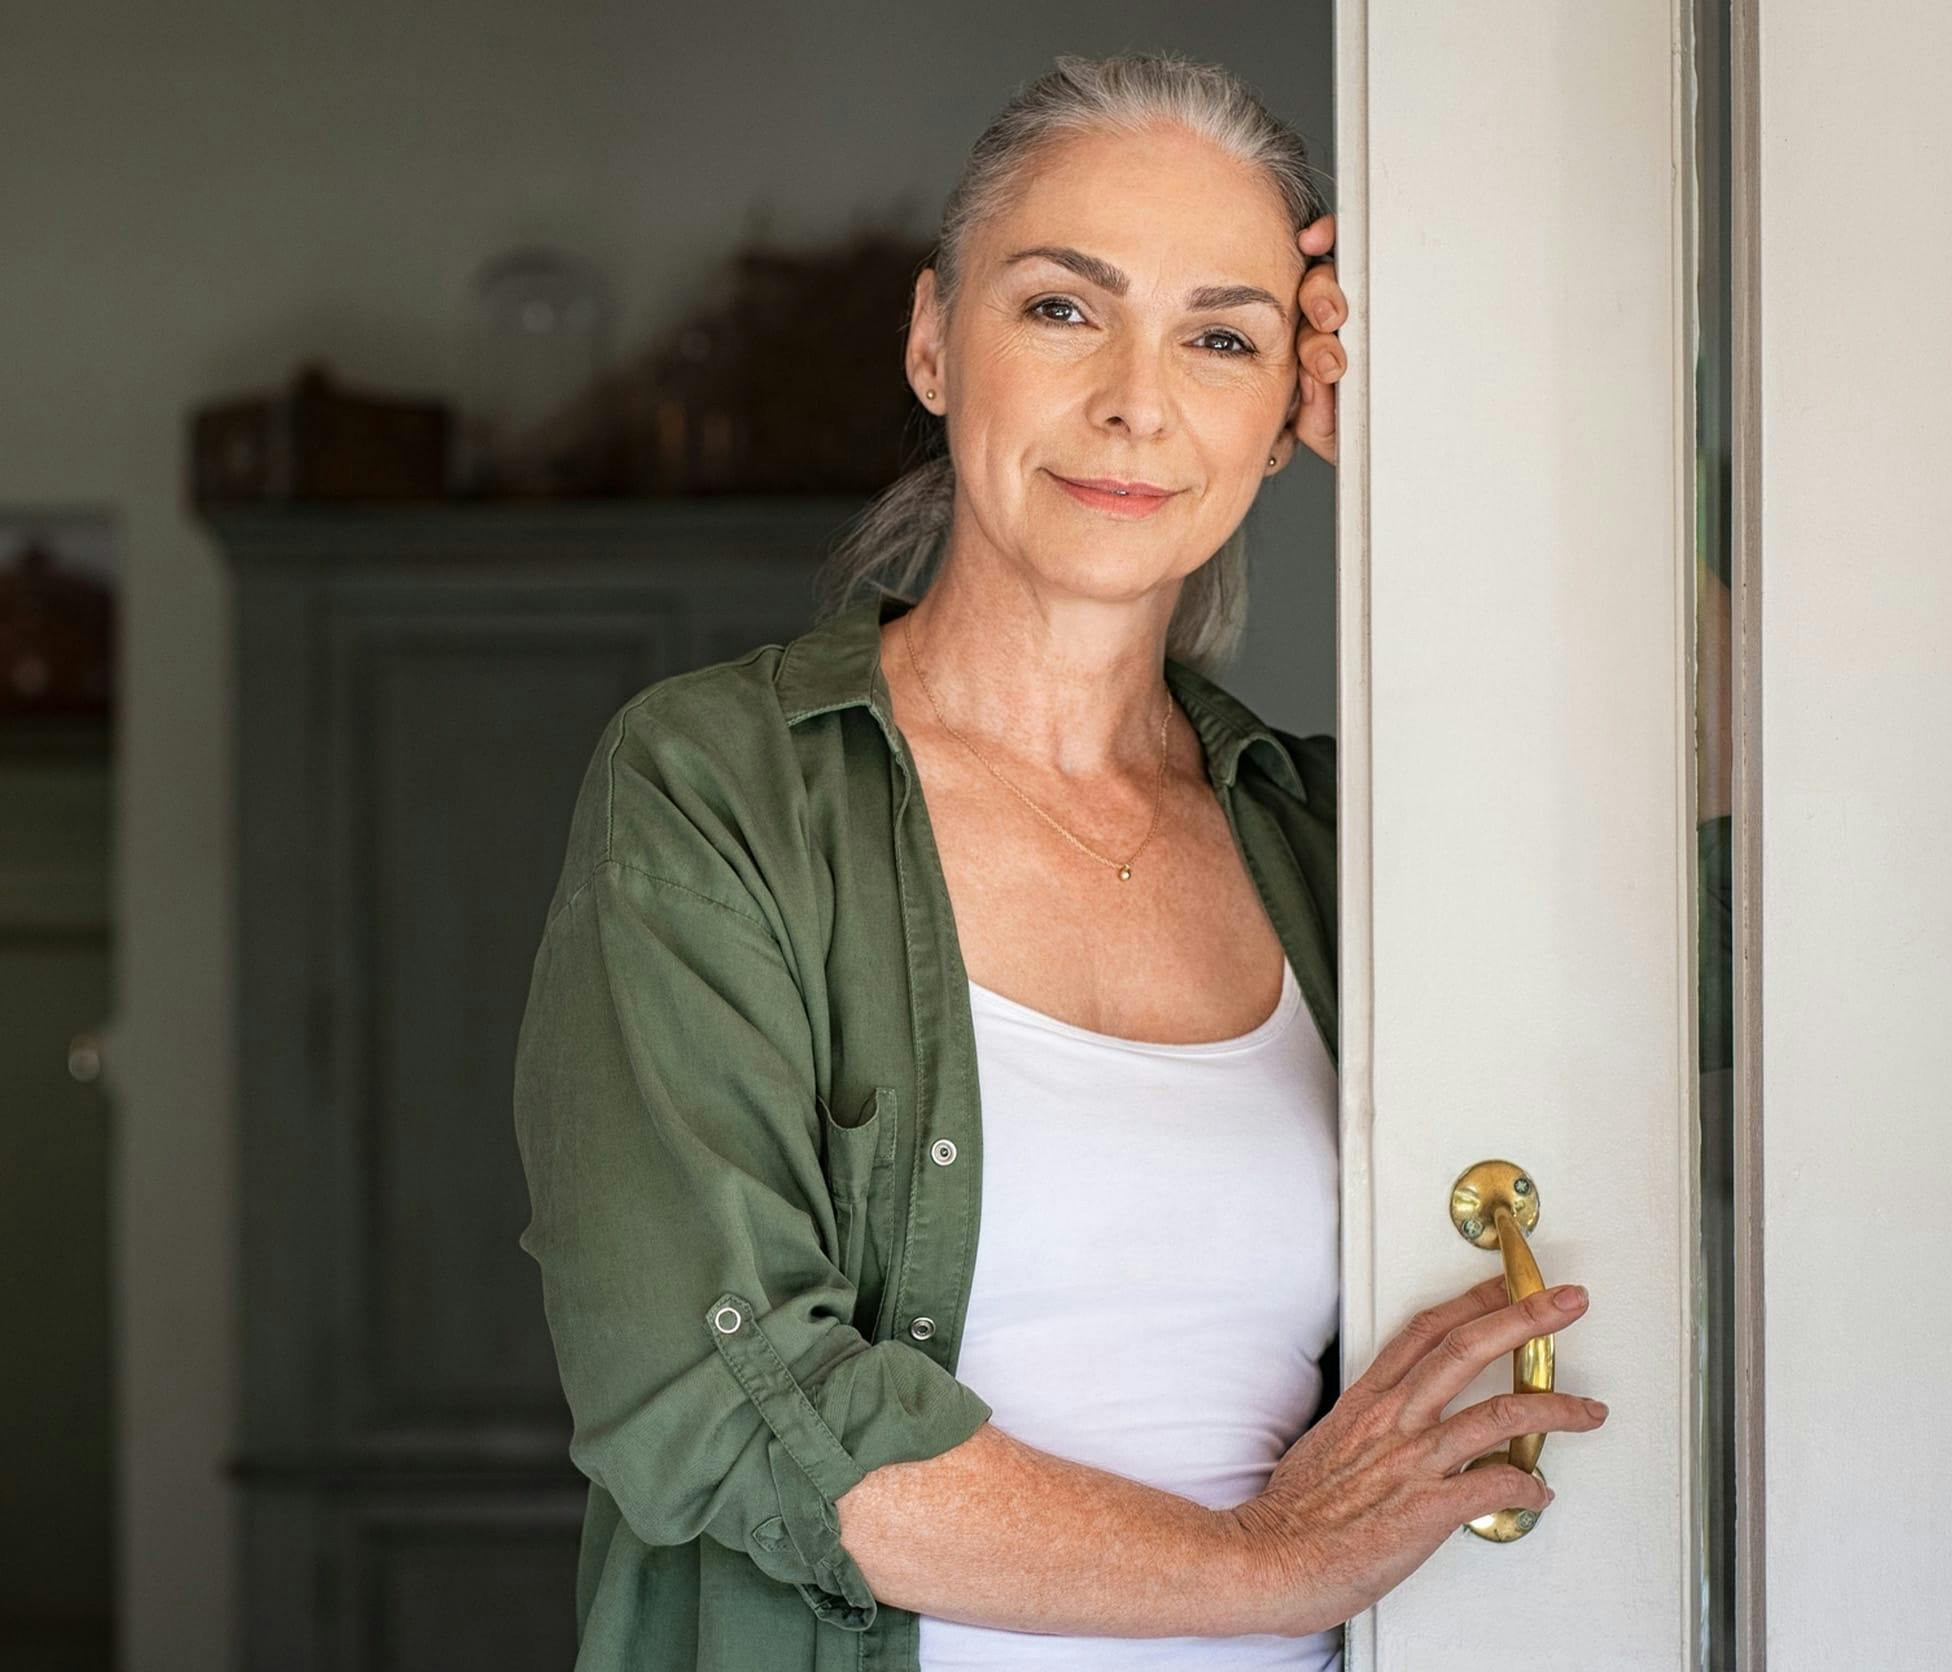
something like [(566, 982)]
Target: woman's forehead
[(1149, 209)]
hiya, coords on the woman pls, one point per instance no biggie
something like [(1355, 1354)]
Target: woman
[(991, 909)]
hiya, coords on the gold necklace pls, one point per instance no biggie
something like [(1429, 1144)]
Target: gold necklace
[(1123, 867)]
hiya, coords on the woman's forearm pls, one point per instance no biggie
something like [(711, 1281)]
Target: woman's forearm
[(995, 1532)]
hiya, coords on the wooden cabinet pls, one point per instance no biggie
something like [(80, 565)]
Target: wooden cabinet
[(418, 693), (57, 1143)]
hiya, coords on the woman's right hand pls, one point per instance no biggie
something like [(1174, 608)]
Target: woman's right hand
[(1363, 1498)]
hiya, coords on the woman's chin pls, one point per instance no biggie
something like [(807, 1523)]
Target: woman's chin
[(1108, 572)]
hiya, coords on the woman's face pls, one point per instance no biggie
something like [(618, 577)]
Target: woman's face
[(1098, 359)]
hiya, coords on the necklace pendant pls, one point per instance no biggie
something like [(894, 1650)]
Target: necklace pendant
[(1125, 873)]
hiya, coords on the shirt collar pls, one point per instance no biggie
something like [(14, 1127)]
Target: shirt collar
[(837, 664)]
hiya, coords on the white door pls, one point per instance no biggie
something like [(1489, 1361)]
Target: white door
[(1517, 505)]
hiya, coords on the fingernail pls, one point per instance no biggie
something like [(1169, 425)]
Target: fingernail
[(1571, 1298), (1550, 1494), (1597, 1407)]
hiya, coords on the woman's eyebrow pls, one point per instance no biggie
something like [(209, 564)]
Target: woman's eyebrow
[(1098, 271)]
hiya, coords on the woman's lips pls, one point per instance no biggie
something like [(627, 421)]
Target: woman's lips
[(1132, 505)]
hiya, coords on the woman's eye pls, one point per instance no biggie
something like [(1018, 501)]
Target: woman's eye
[(1242, 345), (1239, 345), (1051, 302)]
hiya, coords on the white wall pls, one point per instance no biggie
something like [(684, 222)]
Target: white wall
[(1855, 351), (192, 197)]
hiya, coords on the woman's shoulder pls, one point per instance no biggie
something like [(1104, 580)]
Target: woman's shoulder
[(718, 704), (685, 777), (1314, 759), (1298, 766)]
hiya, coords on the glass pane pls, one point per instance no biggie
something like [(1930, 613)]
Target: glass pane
[(1713, 781)]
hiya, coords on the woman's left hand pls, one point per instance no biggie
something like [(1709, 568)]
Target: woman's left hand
[(1322, 362)]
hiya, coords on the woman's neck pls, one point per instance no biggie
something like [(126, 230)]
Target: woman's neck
[(1071, 683)]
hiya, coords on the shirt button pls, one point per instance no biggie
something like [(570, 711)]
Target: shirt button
[(922, 1328), (942, 1152)]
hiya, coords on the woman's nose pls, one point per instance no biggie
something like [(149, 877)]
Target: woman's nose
[(1132, 389)]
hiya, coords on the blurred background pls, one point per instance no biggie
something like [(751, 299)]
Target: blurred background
[(391, 391)]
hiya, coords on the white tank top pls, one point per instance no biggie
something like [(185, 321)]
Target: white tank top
[(1157, 1273)]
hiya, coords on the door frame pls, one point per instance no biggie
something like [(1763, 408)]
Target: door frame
[(1664, 117)]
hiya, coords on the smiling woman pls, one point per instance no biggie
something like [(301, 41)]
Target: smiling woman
[(1234, 271), (804, 1228)]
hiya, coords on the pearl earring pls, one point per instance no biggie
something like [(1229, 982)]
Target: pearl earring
[(929, 396), (1270, 461)]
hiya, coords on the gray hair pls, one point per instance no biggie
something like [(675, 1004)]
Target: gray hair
[(895, 545)]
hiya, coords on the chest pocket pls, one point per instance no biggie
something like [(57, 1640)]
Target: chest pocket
[(859, 1159)]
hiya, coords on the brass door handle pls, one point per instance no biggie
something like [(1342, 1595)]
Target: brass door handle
[(1493, 1204)]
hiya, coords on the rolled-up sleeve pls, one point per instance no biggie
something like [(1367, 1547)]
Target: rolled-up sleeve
[(665, 1112)]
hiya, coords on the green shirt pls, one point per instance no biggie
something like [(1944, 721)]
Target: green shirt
[(747, 1035)]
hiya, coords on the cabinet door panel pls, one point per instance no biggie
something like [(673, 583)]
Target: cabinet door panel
[(419, 695), (461, 741)]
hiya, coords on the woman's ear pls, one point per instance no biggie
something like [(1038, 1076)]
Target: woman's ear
[(1281, 449), (924, 358)]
